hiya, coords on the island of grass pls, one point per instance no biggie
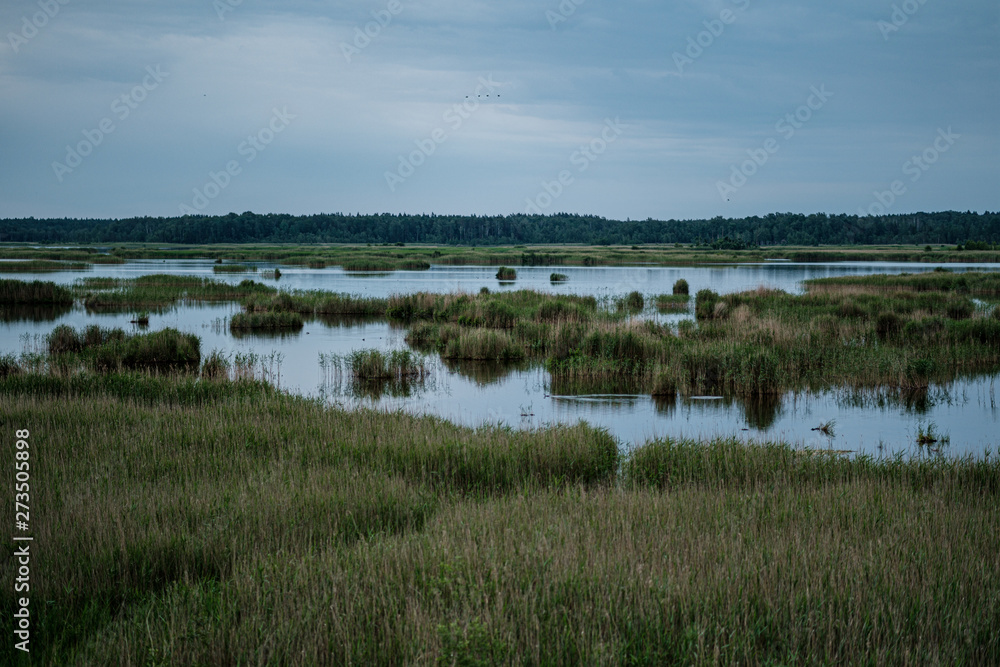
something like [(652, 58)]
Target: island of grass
[(266, 321), (34, 293), (505, 273)]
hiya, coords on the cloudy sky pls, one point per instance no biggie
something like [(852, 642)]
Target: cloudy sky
[(626, 109)]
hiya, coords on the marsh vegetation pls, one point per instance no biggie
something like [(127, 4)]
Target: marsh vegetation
[(195, 521)]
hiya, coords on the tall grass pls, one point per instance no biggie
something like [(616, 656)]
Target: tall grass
[(506, 273), (194, 522), (110, 350), (35, 292), (268, 320), (41, 266)]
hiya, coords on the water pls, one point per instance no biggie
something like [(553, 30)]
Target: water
[(523, 396)]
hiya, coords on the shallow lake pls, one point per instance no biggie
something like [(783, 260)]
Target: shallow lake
[(524, 396)]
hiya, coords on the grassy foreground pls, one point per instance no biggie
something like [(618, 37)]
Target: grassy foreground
[(185, 521)]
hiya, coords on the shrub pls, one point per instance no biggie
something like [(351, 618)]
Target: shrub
[(681, 287), (558, 278)]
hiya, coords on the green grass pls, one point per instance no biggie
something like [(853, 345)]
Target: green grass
[(506, 273), (110, 350), (672, 303), (320, 256), (394, 365), (158, 292), (41, 266), (270, 320), (35, 292), (233, 268), (183, 521)]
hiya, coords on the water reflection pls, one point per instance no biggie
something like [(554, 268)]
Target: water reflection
[(33, 313), (483, 373)]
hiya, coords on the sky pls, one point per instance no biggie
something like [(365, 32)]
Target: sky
[(630, 109)]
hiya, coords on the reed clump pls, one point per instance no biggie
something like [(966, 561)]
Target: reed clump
[(110, 350), (35, 292), (506, 273), (267, 320)]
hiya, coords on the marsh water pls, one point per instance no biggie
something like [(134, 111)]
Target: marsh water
[(523, 396)]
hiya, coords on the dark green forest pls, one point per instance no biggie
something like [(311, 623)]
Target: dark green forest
[(947, 227)]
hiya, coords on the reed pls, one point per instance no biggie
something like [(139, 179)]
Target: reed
[(269, 320), (672, 303), (35, 292), (41, 266), (506, 273), (233, 268), (194, 522)]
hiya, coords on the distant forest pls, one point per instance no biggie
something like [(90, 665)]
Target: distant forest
[(948, 227)]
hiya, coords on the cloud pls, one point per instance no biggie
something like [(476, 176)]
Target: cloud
[(557, 84)]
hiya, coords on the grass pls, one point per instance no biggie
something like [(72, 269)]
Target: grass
[(320, 256), (558, 278), (270, 320), (35, 292), (192, 522), (233, 268), (108, 350), (378, 365), (672, 303), (41, 266), (158, 292), (506, 273)]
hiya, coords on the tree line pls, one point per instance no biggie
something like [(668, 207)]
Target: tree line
[(945, 227)]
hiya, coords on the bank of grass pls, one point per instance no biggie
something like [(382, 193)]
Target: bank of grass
[(41, 266), (233, 268), (214, 522), (34, 292), (532, 255), (158, 292), (108, 350)]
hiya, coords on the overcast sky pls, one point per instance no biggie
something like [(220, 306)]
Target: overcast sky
[(625, 109)]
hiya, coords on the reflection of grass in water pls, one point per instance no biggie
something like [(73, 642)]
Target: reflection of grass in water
[(33, 313)]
